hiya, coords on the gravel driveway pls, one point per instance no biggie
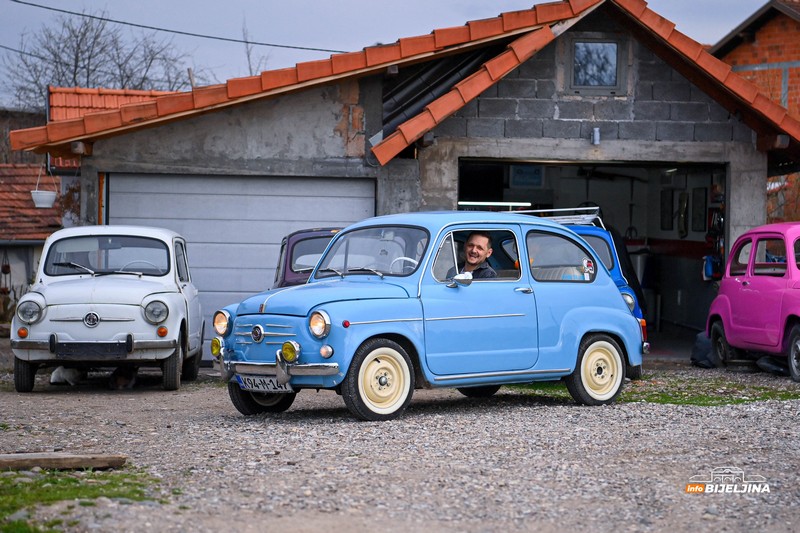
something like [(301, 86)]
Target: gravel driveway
[(516, 461)]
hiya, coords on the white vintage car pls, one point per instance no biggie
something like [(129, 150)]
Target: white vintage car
[(110, 296)]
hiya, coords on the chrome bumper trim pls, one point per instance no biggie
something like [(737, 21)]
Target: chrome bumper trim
[(23, 344), (271, 369)]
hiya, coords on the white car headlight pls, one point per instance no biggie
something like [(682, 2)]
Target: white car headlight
[(319, 323), (222, 322), (156, 312), (29, 312)]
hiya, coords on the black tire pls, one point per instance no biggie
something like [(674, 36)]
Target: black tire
[(171, 367), (793, 353), (253, 403), (599, 371), (380, 381), (24, 375), (634, 373), (479, 392), (721, 352)]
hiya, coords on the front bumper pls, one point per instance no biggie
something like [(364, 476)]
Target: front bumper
[(280, 368), (53, 349)]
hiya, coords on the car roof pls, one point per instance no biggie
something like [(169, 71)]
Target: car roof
[(434, 220), (142, 231), (791, 229)]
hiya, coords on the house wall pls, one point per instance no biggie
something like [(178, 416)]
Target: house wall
[(771, 60)]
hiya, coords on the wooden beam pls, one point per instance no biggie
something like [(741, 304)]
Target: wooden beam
[(60, 461), (765, 143)]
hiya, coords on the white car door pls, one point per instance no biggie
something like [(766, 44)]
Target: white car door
[(194, 314)]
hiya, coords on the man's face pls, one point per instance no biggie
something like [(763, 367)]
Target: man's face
[(476, 251)]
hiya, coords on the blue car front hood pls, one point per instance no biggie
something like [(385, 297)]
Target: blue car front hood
[(299, 300)]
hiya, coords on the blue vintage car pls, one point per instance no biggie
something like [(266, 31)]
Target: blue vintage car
[(388, 310)]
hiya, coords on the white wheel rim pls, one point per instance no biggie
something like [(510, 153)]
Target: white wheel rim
[(383, 381), (266, 400), (601, 370)]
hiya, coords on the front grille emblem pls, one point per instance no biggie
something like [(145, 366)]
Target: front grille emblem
[(91, 320), (257, 334)]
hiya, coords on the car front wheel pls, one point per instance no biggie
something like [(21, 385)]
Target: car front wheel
[(599, 372), (24, 375), (380, 381), (793, 355), (171, 367), (253, 403)]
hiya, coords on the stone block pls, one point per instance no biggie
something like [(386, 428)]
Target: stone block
[(688, 111), (655, 71), (545, 89), (485, 127), (672, 91), (575, 109), (452, 127), (536, 109), (497, 107), (648, 110), (536, 69), (469, 110), (717, 113), (644, 90), (527, 129), (713, 131), (561, 129), (613, 109), (674, 131), (517, 88), (638, 130)]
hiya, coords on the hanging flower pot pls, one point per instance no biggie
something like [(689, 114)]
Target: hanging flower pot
[(43, 199)]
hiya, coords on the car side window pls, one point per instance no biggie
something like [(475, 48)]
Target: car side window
[(770, 257), (450, 258), (740, 259), (180, 262), (556, 258)]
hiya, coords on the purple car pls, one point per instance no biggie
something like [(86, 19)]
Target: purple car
[(299, 254), (757, 308)]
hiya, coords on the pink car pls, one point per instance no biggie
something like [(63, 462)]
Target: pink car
[(757, 308)]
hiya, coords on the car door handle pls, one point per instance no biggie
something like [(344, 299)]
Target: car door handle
[(745, 283), (524, 290)]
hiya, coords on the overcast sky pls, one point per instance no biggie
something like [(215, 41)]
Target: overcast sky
[(346, 25)]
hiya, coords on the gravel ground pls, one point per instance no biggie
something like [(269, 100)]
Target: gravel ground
[(516, 461)]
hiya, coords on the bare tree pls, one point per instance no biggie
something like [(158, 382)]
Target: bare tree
[(90, 52), (254, 64)]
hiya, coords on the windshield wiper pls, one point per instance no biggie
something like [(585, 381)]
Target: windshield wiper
[(365, 269), (119, 272), (331, 270), (76, 266)]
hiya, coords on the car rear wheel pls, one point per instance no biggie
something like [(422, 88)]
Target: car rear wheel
[(380, 381), (599, 372), (253, 403), (24, 375), (479, 392), (721, 352), (793, 355), (171, 367)]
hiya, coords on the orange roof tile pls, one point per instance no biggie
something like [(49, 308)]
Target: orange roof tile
[(19, 219), (530, 29)]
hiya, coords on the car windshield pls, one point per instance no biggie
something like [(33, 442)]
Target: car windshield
[(384, 250), (107, 254), (306, 253)]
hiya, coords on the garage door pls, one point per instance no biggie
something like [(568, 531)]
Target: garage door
[(234, 224)]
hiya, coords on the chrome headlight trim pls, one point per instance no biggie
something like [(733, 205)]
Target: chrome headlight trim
[(319, 324), (29, 312), (156, 312), (222, 322), (629, 300)]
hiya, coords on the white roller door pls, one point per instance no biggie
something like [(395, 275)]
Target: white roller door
[(234, 224)]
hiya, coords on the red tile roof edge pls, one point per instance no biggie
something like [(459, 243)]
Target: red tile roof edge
[(279, 81)]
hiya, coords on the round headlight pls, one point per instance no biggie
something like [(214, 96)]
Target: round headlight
[(629, 300), (29, 312), (156, 312), (319, 323), (290, 351), (222, 322)]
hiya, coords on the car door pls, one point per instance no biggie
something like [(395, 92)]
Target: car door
[(487, 326), (759, 290), (194, 315)]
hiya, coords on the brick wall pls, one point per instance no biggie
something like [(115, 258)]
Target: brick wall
[(776, 43)]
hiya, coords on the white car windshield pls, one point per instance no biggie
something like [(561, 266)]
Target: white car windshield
[(107, 254), (383, 250)]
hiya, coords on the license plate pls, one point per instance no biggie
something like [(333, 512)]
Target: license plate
[(262, 384)]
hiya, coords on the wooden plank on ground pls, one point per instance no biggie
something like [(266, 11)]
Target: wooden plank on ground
[(60, 461)]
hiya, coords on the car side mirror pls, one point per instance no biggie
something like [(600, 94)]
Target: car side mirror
[(464, 280)]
